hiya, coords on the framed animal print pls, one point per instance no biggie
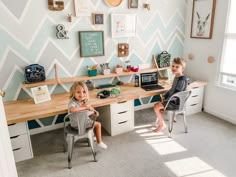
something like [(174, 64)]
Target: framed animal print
[(203, 12)]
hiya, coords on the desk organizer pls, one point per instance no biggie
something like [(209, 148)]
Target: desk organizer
[(92, 73), (106, 71)]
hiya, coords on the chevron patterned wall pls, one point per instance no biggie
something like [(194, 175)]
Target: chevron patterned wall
[(28, 35)]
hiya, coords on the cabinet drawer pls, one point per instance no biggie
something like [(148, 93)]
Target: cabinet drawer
[(23, 153), (193, 99), (193, 108), (121, 127), (19, 141), (197, 91), (122, 106), (17, 129), (121, 117)]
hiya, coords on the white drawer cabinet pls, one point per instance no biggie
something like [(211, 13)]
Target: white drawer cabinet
[(20, 140), (195, 101), (117, 118)]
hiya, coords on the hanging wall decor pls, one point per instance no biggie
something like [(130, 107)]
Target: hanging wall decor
[(202, 19), (59, 5), (97, 19), (123, 25), (81, 8), (61, 32), (113, 3)]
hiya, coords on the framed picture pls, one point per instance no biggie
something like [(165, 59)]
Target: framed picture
[(123, 25), (81, 8), (91, 43), (132, 3), (97, 19), (40, 94), (203, 12)]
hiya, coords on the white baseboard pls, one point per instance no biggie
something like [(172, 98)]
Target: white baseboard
[(45, 129), (144, 106), (219, 115)]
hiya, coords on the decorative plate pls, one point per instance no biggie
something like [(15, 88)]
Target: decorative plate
[(113, 3)]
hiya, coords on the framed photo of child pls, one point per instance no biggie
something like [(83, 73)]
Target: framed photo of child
[(203, 12), (40, 94), (97, 19)]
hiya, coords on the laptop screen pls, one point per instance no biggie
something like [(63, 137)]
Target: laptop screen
[(149, 79)]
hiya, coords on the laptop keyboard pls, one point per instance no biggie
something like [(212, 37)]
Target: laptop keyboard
[(152, 87)]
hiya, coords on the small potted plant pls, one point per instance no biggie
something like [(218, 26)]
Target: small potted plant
[(92, 71), (118, 69)]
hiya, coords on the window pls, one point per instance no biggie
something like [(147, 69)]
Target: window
[(228, 64)]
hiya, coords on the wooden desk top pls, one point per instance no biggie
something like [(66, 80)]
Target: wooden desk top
[(24, 110)]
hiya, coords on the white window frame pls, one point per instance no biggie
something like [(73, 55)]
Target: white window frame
[(231, 83)]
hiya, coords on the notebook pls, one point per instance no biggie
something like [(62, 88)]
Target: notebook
[(149, 81)]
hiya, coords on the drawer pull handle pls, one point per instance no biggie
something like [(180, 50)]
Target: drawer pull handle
[(122, 112), (14, 136), (12, 124), (194, 95), (16, 149), (121, 102), (195, 87), (193, 104), (123, 122)]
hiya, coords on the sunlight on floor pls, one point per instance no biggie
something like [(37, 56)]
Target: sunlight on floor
[(159, 141), (188, 167), (192, 167), (165, 146)]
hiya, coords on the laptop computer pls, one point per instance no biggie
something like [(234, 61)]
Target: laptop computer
[(149, 81)]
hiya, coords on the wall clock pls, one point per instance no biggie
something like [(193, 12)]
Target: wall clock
[(113, 3)]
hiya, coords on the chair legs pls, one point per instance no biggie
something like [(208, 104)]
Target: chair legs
[(170, 122), (70, 149), (185, 123), (65, 142), (91, 142)]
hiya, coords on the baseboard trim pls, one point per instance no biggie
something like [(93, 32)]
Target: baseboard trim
[(219, 115), (45, 129)]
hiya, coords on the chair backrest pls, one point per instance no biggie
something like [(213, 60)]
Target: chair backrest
[(78, 120), (183, 97)]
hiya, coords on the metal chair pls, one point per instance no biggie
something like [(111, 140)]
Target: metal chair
[(71, 135), (182, 96)]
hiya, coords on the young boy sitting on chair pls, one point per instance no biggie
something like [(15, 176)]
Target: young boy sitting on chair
[(179, 84)]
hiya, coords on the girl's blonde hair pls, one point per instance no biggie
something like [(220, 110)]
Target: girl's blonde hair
[(179, 61), (73, 88)]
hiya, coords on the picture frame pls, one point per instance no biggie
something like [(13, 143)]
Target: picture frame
[(132, 4), (91, 43), (203, 13), (123, 25), (98, 19), (81, 8), (40, 94)]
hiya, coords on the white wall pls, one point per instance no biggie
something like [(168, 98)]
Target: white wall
[(218, 101)]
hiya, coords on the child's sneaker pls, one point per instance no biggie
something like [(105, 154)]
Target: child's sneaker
[(102, 145)]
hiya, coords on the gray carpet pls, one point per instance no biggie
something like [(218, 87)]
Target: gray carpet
[(208, 150)]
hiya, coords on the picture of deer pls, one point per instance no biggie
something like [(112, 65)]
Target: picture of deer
[(201, 24)]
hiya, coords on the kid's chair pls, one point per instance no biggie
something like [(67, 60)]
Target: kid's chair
[(71, 135), (183, 97)]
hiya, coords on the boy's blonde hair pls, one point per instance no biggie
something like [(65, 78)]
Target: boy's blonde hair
[(73, 88), (179, 61)]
